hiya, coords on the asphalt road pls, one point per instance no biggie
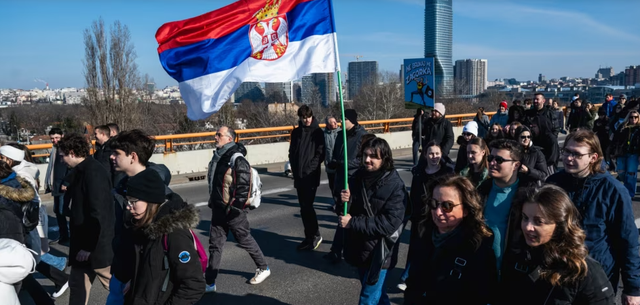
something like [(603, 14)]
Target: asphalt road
[(297, 277)]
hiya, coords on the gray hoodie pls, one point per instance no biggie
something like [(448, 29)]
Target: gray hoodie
[(329, 142)]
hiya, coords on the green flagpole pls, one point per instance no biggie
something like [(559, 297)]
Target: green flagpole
[(344, 140)]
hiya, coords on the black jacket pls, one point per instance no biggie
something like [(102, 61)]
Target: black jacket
[(388, 201), (461, 159), (578, 118), (419, 183), (548, 113), (103, 155), (306, 154), (516, 113), (415, 133), (457, 272), (440, 131), (92, 218), (521, 279), (354, 141), (601, 129), (626, 140), (237, 191), (186, 284), (535, 161), (542, 134)]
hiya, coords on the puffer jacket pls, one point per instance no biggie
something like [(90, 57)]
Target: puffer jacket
[(440, 131), (306, 154), (535, 161), (456, 272), (521, 278), (388, 201), (607, 219), (16, 262), (15, 192), (501, 118), (185, 281), (329, 143), (231, 187), (461, 158)]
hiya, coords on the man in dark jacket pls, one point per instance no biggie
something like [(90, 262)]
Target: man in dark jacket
[(306, 153), (543, 133), (103, 149), (498, 191), (438, 129), (415, 134), (229, 187), (92, 219), (606, 212), (354, 140), (378, 198), (56, 171), (540, 107)]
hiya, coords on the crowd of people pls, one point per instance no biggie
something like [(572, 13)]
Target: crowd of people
[(500, 224)]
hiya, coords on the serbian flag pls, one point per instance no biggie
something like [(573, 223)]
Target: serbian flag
[(248, 40)]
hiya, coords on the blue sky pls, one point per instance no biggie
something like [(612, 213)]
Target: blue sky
[(43, 39)]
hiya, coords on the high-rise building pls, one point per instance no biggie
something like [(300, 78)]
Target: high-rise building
[(605, 73), (632, 76), (324, 83), (438, 42), (286, 88), (361, 73), (248, 91), (541, 78), (471, 76)]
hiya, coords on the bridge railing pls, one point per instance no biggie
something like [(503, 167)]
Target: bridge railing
[(205, 140)]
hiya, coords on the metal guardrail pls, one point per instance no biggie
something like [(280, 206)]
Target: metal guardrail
[(385, 126)]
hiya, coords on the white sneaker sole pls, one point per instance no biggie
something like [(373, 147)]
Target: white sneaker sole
[(60, 292), (255, 281)]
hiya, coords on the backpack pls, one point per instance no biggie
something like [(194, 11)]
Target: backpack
[(202, 254), (255, 190), (31, 215)]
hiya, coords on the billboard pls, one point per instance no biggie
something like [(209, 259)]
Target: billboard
[(419, 91)]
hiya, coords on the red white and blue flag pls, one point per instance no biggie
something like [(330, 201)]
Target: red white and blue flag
[(248, 40)]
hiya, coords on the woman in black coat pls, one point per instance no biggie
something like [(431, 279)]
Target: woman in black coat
[(550, 264), (457, 262), (167, 267), (533, 161)]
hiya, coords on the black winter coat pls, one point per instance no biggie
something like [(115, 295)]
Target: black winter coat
[(542, 135), (461, 159), (516, 113), (627, 141), (535, 161), (457, 272), (354, 141), (419, 183), (415, 133), (186, 284), (388, 199), (92, 217), (521, 279), (237, 192), (440, 131), (578, 118), (601, 129), (306, 154), (103, 155)]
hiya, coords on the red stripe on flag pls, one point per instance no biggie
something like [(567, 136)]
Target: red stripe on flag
[(215, 24)]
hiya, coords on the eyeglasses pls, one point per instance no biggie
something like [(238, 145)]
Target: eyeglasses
[(467, 134), (445, 206), (220, 135), (573, 154), (498, 159), (525, 137), (131, 203)]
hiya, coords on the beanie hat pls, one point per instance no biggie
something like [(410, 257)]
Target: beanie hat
[(147, 186), (12, 153), (471, 127), (439, 107), (351, 115), (504, 104)]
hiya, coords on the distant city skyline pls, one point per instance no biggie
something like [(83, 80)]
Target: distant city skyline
[(521, 39)]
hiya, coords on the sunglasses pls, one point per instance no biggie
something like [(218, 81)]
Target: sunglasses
[(467, 134), (498, 159), (635, 116), (525, 137), (445, 206)]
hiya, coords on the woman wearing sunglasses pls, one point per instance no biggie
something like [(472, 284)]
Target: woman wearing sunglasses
[(457, 263), (165, 259), (478, 169), (550, 264), (626, 143), (533, 161)]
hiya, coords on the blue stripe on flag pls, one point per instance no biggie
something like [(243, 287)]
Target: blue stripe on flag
[(215, 55)]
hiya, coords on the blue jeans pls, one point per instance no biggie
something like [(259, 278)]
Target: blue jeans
[(628, 172), (116, 297), (374, 294)]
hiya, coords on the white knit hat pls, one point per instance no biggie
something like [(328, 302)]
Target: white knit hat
[(439, 107), (471, 127), (12, 153)]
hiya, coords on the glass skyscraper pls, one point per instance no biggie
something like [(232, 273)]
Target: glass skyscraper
[(438, 42)]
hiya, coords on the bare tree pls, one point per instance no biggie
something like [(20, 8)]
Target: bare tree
[(381, 101), (111, 75)]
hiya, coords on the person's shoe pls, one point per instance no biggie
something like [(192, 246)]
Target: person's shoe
[(332, 257), (402, 286), (210, 288), (60, 291), (63, 241), (261, 275), (304, 245), (316, 242)]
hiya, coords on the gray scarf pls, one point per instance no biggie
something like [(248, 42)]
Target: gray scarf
[(217, 154)]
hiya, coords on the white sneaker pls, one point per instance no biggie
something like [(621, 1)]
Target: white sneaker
[(402, 286), (210, 288), (58, 293), (261, 275)]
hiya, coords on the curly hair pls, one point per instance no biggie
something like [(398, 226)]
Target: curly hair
[(564, 256), (473, 223), (75, 143)]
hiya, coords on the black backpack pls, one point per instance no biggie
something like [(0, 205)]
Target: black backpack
[(30, 215)]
